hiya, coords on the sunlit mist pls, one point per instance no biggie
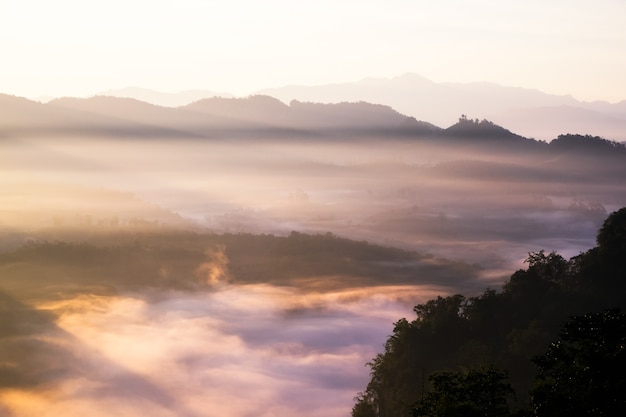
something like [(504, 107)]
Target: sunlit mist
[(246, 257)]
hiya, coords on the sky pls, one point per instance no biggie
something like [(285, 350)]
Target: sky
[(78, 48)]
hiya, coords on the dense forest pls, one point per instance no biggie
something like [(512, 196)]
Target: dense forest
[(108, 263), (552, 342)]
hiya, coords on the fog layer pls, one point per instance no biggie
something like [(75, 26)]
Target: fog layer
[(182, 276), (239, 351)]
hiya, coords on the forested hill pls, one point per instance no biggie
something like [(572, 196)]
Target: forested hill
[(131, 261), (506, 353), (259, 117)]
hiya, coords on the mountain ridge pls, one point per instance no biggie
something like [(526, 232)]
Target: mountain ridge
[(161, 98), (254, 115), (441, 103), (529, 112)]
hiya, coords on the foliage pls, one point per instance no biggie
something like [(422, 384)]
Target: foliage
[(587, 143), (110, 262), (504, 329), (612, 235), (474, 392), (582, 373)]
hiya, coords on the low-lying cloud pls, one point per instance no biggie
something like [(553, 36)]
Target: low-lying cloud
[(254, 350), (172, 284)]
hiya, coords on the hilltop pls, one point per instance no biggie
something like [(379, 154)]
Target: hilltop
[(257, 116), (529, 112)]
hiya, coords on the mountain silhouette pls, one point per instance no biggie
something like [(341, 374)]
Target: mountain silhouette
[(18, 114), (134, 116), (306, 115), (254, 116), (519, 109), (484, 129), (160, 98), (103, 115)]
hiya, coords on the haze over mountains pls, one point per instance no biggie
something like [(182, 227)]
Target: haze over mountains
[(261, 114), (163, 99), (254, 115), (530, 113), (256, 164), (173, 257)]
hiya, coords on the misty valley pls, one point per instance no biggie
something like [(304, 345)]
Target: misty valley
[(243, 257)]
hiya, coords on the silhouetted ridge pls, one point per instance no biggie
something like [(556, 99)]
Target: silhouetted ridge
[(505, 330), (529, 112), (103, 104), (127, 116), (259, 109), (356, 115), (161, 98), (22, 116), (483, 129), (312, 116), (217, 116), (260, 116), (116, 107), (587, 143)]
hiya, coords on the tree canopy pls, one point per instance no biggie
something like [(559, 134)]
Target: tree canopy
[(480, 392), (582, 373), (456, 338)]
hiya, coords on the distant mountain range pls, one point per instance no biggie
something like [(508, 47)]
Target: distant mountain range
[(217, 116), (527, 112), (160, 98), (530, 113), (254, 116)]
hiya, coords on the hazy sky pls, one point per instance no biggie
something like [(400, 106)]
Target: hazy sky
[(74, 47)]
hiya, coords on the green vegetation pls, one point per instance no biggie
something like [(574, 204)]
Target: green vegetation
[(456, 343), (112, 262), (582, 373), (588, 143), (474, 392)]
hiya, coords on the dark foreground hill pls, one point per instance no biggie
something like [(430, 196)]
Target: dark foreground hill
[(508, 330)]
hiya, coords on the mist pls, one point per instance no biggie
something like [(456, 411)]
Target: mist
[(411, 194), (239, 351), (256, 274)]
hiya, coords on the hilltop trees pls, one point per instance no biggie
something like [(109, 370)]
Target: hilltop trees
[(587, 143), (611, 238), (480, 392), (503, 331), (582, 373)]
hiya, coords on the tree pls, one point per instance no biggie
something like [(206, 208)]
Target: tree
[(507, 329), (602, 270), (365, 406), (551, 267), (430, 341), (480, 392), (612, 235), (582, 373)]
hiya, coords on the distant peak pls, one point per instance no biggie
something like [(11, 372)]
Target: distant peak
[(412, 77), (483, 128), (162, 98), (255, 99), (469, 123)]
